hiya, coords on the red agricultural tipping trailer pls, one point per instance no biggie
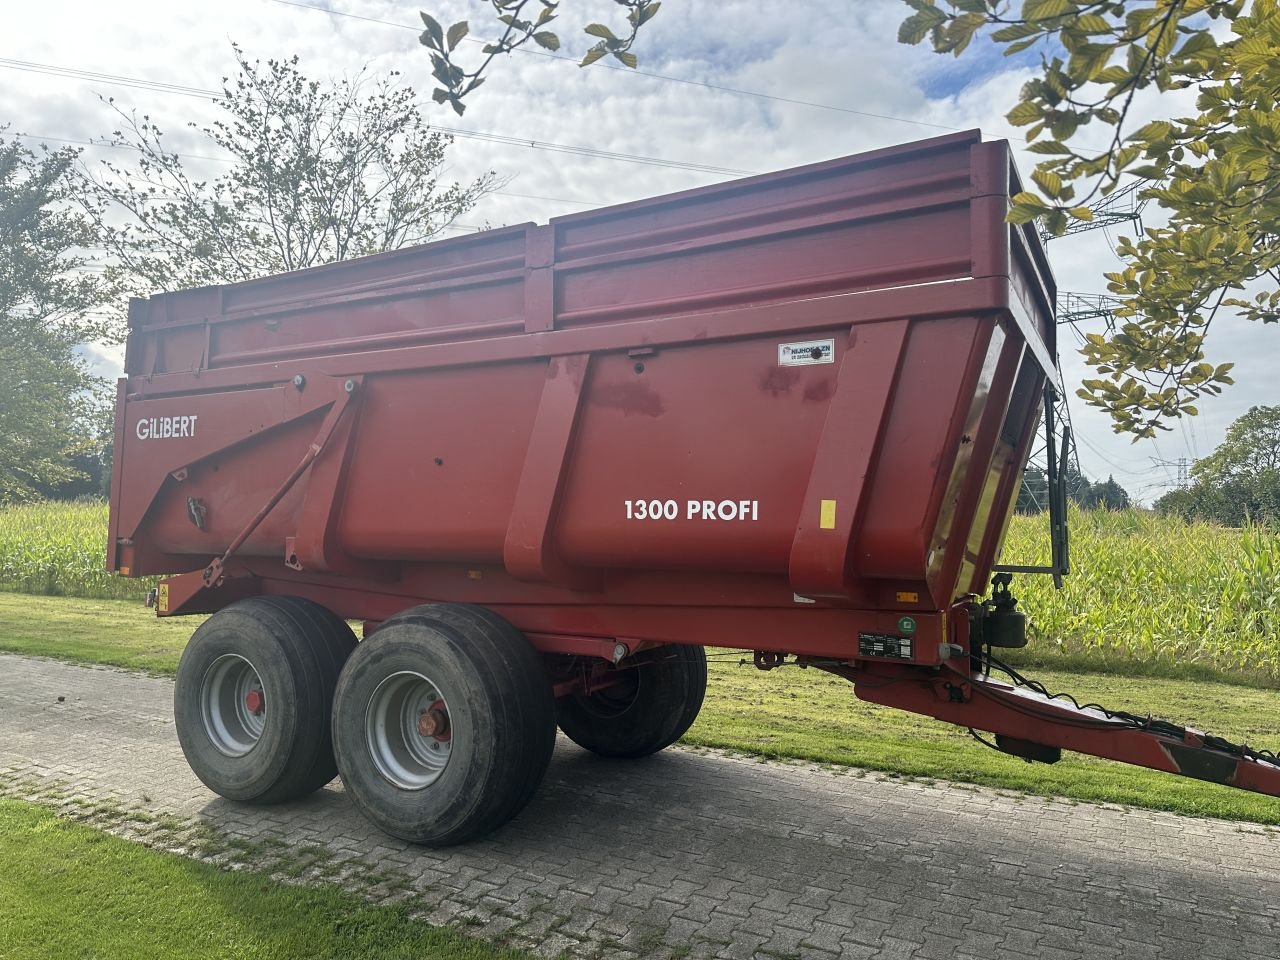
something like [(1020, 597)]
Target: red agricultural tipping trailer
[(547, 465)]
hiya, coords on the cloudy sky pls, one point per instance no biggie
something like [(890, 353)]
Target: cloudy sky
[(733, 85)]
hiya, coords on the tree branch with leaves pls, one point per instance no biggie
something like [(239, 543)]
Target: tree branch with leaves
[(456, 82), (1215, 169)]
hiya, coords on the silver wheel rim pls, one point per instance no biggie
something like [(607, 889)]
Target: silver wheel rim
[(408, 730), (233, 705)]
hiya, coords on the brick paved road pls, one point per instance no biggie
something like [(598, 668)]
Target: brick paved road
[(700, 855)]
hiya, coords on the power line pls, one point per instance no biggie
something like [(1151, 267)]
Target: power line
[(55, 70), (635, 72), (534, 196)]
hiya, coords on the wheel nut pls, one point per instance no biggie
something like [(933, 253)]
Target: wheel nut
[(433, 723), (254, 701)]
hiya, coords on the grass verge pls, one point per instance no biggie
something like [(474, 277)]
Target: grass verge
[(809, 715), (68, 890), (794, 714)]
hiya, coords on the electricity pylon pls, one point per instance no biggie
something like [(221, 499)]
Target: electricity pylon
[(1121, 206)]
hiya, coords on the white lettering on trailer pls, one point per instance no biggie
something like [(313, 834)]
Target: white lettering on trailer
[(165, 428), (693, 509)]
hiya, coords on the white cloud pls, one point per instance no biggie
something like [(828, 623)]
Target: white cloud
[(827, 51)]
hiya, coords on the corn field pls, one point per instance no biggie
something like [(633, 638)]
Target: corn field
[(60, 549), (1155, 589), (1143, 588)]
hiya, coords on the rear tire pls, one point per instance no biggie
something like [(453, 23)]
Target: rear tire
[(651, 708), (252, 698), (443, 724)]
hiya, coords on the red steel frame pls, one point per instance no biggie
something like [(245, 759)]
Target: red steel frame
[(462, 422)]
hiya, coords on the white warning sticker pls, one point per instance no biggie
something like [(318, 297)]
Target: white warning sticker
[(806, 353)]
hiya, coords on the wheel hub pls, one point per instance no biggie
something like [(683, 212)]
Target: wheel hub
[(434, 722), (409, 730), (232, 705)]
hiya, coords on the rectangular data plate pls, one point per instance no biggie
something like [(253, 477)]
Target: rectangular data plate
[(806, 353), (884, 646)]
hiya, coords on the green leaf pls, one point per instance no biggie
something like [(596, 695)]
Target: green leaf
[(1055, 222), (913, 29), (1048, 181), (1023, 214), (1018, 47), (1155, 130), (434, 31), (648, 13), (1017, 32), (1049, 146), (1081, 213), (599, 30), (1045, 9), (457, 32), (547, 39), (627, 58), (1028, 199), (594, 54), (1024, 113), (1091, 23), (1113, 74)]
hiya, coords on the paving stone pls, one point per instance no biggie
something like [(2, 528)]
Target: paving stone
[(700, 854)]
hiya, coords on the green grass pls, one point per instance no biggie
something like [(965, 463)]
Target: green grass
[(799, 714), (67, 890), (115, 632)]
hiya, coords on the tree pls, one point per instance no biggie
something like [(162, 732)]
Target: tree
[(317, 174), (1107, 495), (456, 82), (1240, 481), (1215, 168), (48, 399), (1033, 495), (1250, 449)]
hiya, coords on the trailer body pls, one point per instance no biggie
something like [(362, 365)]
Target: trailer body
[(778, 412), (788, 414)]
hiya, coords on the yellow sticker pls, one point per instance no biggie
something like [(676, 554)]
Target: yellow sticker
[(827, 517), (908, 596), (162, 598)]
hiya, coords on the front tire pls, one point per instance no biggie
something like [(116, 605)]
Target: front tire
[(656, 700), (443, 724), (252, 698)]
